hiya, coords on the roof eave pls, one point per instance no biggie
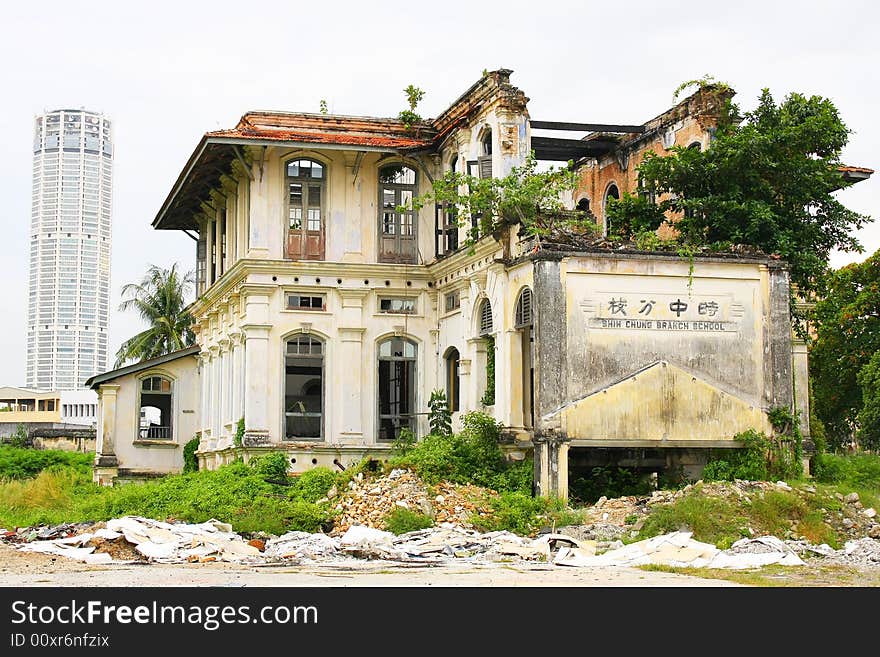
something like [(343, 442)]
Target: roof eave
[(98, 379)]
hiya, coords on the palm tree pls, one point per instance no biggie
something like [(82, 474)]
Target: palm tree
[(160, 300)]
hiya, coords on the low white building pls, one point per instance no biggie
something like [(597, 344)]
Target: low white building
[(79, 407)]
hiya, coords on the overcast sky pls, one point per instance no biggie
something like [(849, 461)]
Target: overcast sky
[(166, 72)]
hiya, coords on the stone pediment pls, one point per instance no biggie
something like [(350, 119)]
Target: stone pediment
[(660, 402)]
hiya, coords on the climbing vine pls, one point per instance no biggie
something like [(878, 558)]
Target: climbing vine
[(488, 398)]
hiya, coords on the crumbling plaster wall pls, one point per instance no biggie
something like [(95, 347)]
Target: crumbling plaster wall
[(729, 330), (691, 121)]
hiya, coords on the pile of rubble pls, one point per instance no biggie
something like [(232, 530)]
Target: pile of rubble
[(364, 505), (369, 501), (852, 521), (130, 538)]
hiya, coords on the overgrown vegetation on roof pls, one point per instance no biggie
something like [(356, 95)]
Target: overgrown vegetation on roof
[(767, 182)]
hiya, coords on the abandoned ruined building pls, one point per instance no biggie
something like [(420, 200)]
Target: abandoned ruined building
[(325, 316)]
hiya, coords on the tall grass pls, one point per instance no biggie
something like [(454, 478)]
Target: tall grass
[(235, 493)]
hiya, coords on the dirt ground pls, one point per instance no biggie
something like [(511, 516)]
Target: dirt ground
[(34, 569)]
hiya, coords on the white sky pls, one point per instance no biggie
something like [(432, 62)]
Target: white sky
[(166, 72)]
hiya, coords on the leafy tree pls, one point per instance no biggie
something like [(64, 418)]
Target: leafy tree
[(847, 318), (160, 300), (767, 181), (536, 199), (414, 96), (869, 417)]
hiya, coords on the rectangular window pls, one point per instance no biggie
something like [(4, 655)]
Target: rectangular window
[(453, 301), (296, 301), (397, 305)]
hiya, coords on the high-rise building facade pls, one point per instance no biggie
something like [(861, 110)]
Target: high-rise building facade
[(69, 249)]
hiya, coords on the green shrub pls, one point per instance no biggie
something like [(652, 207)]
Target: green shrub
[(273, 466), (20, 437), (712, 519), (190, 460), (404, 442), (312, 485), (23, 463), (277, 516), (239, 433), (472, 456), (610, 482), (855, 470), (514, 512), (868, 434), (439, 416), (516, 476), (401, 521), (749, 462)]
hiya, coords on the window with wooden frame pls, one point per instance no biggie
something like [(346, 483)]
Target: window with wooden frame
[(304, 388), (397, 305), (300, 301), (446, 221), (453, 386), (306, 192), (485, 157), (452, 301), (523, 314), (485, 315), (397, 387), (398, 231)]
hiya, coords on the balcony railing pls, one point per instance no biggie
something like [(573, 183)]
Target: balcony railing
[(155, 432)]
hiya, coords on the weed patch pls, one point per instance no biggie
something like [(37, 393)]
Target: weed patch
[(401, 521), (22, 463)]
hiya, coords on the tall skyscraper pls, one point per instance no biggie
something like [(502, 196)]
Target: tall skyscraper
[(69, 249)]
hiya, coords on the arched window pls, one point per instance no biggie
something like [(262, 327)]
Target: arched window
[(485, 317), (523, 314), (303, 387), (523, 321), (611, 192), (452, 379), (695, 145), (583, 205), (484, 160), (397, 230), (306, 192), (397, 387), (155, 422)]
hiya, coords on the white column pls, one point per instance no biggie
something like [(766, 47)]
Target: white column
[(256, 412), (261, 219), (106, 463), (242, 395), (205, 385), (231, 229), (225, 383), (800, 366), (513, 378), (218, 243), (209, 250), (478, 372), (211, 421), (347, 386), (235, 377)]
